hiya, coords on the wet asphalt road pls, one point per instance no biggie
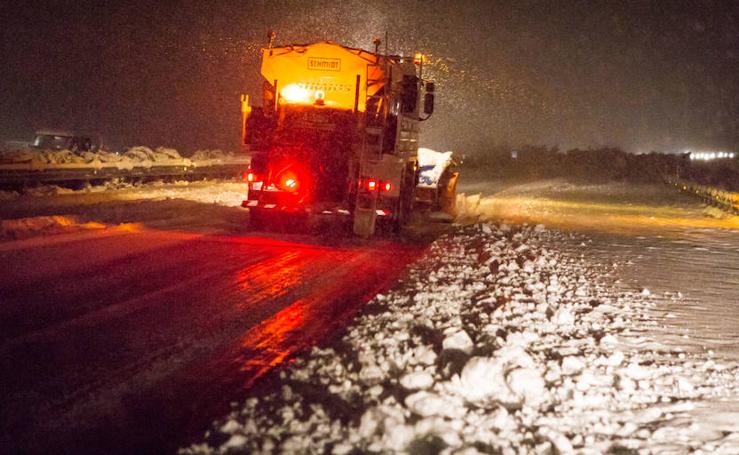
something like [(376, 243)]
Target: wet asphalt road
[(133, 340)]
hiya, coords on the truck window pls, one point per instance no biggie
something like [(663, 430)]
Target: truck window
[(49, 141), (409, 94)]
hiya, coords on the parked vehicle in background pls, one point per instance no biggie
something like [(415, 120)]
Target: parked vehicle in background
[(66, 140), (47, 139)]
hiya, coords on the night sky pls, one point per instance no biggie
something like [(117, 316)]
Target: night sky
[(640, 75)]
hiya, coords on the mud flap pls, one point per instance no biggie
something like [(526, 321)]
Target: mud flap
[(365, 215), (364, 223), (405, 205)]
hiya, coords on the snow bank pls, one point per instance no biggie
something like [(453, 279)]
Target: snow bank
[(133, 156), (56, 157), (141, 154), (8, 195), (496, 342), (216, 154), (22, 228), (227, 193)]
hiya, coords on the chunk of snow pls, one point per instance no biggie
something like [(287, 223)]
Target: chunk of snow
[(609, 340), (397, 437), (560, 441), (572, 365), (483, 383), (422, 355), (684, 385), (427, 404), (440, 427), (417, 380), (230, 427), (564, 317), (528, 384), (460, 341), (636, 372), (371, 374), (235, 442), (514, 356), (615, 359)]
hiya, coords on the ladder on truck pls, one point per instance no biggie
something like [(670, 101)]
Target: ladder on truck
[(365, 212)]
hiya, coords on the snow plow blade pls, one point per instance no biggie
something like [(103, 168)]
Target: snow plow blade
[(448, 196)]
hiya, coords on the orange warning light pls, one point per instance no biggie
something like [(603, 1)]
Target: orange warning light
[(294, 93)]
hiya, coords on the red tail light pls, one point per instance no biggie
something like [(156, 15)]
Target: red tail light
[(371, 184), (387, 186), (289, 181), (249, 177)]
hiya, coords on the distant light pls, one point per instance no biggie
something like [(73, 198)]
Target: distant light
[(710, 155)]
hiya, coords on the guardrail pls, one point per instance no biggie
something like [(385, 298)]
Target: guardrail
[(723, 199), (15, 176)]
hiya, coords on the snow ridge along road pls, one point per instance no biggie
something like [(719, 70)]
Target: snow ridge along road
[(499, 341)]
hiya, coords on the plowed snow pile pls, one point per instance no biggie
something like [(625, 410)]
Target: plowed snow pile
[(497, 342), (42, 225), (134, 156)]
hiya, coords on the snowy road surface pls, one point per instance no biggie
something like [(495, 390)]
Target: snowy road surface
[(498, 342), (137, 335), (610, 328), (685, 253), (527, 339)]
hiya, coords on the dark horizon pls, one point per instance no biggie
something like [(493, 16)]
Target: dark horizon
[(638, 75)]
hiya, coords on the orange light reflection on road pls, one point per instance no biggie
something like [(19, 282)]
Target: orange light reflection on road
[(607, 217), (323, 288), (272, 278), (269, 340)]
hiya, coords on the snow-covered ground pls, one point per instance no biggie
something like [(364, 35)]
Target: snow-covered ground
[(670, 242), (139, 156), (21, 228), (498, 341), (587, 335), (50, 209), (514, 339)]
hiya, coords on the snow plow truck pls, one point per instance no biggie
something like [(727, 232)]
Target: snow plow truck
[(336, 134)]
